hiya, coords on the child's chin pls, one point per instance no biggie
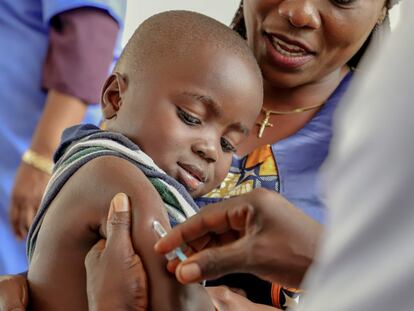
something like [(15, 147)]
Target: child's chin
[(196, 193)]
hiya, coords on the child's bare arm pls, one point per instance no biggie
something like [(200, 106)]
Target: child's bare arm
[(57, 273), (165, 292)]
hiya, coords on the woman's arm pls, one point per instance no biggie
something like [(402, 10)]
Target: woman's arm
[(60, 112)]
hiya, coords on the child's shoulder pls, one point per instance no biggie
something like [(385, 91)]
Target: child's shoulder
[(91, 160), (76, 219), (91, 166), (88, 135), (96, 182)]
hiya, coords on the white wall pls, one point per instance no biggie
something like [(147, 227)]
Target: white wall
[(395, 15), (139, 10)]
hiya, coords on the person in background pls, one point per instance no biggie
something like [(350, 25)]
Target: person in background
[(54, 57)]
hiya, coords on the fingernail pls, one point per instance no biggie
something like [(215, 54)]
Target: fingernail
[(156, 246), (190, 272), (121, 203)]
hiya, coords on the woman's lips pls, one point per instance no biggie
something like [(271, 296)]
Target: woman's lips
[(191, 177), (287, 49), (286, 54)]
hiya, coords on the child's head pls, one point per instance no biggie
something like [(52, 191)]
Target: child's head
[(187, 90)]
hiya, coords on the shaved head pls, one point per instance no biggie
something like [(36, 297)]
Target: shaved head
[(179, 36), (186, 90)]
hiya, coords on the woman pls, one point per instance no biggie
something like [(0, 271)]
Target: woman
[(307, 51)]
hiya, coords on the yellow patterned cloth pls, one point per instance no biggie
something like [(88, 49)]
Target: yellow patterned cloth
[(256, 170)]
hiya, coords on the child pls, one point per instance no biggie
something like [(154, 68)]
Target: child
[(186, 90)]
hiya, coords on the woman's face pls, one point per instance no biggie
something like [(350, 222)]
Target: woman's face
[(297, 42)]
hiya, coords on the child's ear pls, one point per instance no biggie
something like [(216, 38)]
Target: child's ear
[(112, 94)]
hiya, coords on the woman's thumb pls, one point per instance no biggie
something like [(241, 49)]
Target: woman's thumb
[(118, 226)]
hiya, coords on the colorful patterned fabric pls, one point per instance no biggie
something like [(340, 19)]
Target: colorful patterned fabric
[(256, 170)]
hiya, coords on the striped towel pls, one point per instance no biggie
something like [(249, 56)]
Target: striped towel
[(94, 143)]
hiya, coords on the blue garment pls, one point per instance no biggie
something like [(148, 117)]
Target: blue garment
[(24, 42), (297, 159)]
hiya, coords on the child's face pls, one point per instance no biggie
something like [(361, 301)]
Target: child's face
[(190, 116)]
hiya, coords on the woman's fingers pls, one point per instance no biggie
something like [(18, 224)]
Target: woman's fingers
[(115, 273), (213, 220), (213, 262), (13, 293)]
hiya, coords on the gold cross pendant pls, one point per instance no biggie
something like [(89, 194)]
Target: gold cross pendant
[(265, 123)]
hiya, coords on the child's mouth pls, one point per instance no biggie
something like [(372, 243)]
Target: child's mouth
[(190, 176)]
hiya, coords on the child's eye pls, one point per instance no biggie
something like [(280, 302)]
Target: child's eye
[(187, 118), (226, 146)]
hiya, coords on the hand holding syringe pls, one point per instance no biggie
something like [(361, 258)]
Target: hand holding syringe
[(160, 231)]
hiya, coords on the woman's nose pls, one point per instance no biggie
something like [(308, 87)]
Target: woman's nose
[(206, 150), (301, 13)]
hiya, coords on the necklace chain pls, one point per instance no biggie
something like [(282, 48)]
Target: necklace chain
[(267, 113)]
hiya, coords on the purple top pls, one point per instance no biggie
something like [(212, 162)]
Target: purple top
[(300, 156), (78, 55)]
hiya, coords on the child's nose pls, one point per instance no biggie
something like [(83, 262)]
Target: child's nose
[(206, 150)]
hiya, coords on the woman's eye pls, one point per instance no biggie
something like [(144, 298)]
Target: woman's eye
[(226, 146), (187, 118)]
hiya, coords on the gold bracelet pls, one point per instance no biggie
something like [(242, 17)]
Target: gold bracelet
[(38, 161)]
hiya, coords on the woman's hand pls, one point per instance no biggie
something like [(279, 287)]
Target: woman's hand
[(259, 233), (226, 299), (116, 279), (13, 293), (29, 185)]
